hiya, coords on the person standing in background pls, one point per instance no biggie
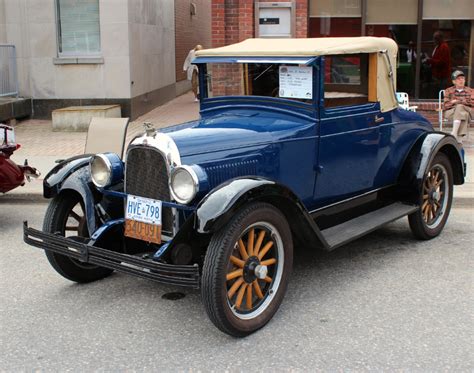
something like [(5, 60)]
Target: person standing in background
[(411, 53), (192, 71), (440, 61)]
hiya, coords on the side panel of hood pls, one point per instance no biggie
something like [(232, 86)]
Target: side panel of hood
[(237, 129)]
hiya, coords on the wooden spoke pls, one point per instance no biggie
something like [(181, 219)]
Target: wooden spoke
[(439, 183), (265, 249), (425, 196), (435, 177), (437, 204), (234, 274), (424, 205), (258, 291), (250, 242), (260, 238), (75, 216), (235, 286), (236, 261), (268, 262), (76, 229), (249, 297), (267, 279), (426, 188), (240, 295), (425, 211), (242, 250)]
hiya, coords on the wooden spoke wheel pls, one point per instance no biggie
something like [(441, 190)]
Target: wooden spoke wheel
[(434, 195), (435, 199), (66, 216), (246, 269), (254, 270)]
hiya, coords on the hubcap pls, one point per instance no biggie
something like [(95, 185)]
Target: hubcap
[(255, 270)]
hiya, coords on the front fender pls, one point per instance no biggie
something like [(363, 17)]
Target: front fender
[(421, 155), (218, 207), (55, 178), (73, 175)]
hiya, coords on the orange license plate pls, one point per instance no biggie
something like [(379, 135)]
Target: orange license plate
[(143, 231)]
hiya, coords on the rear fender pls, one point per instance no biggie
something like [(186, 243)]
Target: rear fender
[(420, 157), (221, 204)]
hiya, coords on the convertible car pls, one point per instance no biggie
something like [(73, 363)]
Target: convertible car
[(299, 142)]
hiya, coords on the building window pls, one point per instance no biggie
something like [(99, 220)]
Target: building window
[(436, 75), (78, 27)]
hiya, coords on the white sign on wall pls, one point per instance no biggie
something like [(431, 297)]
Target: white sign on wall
[(296, 81)]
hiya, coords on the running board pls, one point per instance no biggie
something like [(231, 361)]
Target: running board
[(350, 230)]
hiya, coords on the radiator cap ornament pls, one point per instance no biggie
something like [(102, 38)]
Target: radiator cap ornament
[(149, 128)]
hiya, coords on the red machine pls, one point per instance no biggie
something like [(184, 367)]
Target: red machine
[(11, 174)]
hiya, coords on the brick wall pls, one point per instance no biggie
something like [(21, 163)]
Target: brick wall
[(234, 21), (429, 109), (190, 30)]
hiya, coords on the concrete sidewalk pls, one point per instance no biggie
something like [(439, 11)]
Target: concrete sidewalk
[(42, 147)]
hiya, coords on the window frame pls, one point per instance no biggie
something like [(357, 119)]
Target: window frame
[(73, 57)]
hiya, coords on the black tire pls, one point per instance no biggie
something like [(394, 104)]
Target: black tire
[(435, 199), (264, 294), (63, 209)]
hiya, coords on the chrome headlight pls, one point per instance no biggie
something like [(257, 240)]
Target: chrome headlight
[(184, 184), (106, 169)]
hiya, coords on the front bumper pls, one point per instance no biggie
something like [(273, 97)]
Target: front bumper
[(182, 275)]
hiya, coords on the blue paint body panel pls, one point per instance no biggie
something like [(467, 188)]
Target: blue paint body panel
[(310, 155)]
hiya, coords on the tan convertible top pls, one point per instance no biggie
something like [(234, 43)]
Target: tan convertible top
[(302, 47), (323, 46)]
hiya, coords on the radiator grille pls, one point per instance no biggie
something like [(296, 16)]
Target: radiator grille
[(146, 175)]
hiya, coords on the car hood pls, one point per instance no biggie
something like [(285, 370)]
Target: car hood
[(236, 130)]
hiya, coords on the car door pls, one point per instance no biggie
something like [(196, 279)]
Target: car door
[(349, 130)]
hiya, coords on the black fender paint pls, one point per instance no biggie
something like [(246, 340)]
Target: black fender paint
[(72, 175), (218, 206), (55, 178), (420, 157)]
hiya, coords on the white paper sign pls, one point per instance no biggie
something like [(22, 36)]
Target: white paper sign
[(296, 81)]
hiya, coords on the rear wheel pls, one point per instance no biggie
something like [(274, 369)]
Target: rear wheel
[(435, 199), (246, 270), (66, 216)]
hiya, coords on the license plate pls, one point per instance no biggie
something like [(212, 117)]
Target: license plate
[(143, 219)]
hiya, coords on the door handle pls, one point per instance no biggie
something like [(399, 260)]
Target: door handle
[(378, 119)]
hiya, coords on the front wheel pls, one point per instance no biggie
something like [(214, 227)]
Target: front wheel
[(435, 199), (246, 269), (66, 216)]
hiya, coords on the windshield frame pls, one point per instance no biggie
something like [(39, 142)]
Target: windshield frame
[(207, 102)]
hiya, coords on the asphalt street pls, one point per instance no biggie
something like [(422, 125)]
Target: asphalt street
[(384, 302)]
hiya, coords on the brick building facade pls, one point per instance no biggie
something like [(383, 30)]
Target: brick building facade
[(234, 20), (192, 27)]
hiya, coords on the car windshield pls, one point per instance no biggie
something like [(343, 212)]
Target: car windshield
[(289, 81)]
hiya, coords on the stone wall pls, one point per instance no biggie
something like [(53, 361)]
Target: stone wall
[(3, 30), (31, 27)]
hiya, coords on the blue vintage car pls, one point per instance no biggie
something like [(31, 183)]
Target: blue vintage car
[(299, 142)]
